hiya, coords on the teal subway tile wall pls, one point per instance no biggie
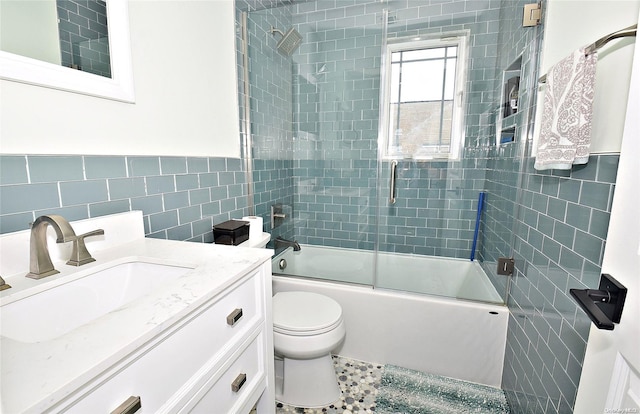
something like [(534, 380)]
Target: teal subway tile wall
[(554, 225), (271, 111), (559, 244), (180, 197), (331, 88), (336, 103)]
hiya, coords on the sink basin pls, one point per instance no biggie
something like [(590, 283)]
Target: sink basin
[(61, 309)]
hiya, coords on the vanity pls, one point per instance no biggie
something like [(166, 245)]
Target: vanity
[(152, 326)]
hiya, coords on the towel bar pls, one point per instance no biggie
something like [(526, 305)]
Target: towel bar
[(630, 31)]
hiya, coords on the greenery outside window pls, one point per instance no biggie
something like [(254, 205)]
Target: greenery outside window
[(424, 84)]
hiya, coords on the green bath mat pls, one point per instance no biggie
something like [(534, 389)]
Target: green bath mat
[(411, 392)]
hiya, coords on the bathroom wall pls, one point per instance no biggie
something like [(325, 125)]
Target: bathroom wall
[(560, 234), (180, 197), (186, 94), (566, 26), (557, 239), (271, 112), (436, 207), (518, 47), (173, 159), (336, 85), (554, 224)]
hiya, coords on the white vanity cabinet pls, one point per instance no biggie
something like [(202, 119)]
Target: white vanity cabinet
[(216, 360)]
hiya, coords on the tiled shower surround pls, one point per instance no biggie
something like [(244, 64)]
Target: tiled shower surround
[(333, 84), (551, 227), (553, 223), (560, 239), (336, 103), (558, 242), (271, 115)]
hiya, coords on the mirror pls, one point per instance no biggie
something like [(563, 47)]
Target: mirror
[(69, 46), (62, 32)]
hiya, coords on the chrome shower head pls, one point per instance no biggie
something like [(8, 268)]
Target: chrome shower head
[(289, 41)]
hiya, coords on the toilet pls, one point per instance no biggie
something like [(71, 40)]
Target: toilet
[(306, 328)]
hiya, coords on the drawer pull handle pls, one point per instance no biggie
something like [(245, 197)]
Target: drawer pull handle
[(234, 317), (238, 382), (130, 406)]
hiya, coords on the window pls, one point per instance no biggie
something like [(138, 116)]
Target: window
[(423, 104)]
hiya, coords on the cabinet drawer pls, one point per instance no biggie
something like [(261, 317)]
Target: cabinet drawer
[(229, 390), (162, 369)]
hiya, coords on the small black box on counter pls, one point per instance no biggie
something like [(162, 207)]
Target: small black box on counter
[(232, 232)]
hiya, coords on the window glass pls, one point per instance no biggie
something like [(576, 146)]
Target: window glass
[(423, 120), (422, 54), (395, 84), (422, 81), (450, 80)]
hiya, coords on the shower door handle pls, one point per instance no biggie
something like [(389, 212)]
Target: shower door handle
[(392, 183)]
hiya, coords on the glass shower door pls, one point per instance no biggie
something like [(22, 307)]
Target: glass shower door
[(427, 191), (335, 88), (430, 190)]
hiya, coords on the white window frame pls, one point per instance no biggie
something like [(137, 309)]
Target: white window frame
[(459, 39)]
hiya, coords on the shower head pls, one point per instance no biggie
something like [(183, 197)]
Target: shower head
[(289, 41)]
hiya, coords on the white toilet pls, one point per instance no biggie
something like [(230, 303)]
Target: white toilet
[(307, 327)]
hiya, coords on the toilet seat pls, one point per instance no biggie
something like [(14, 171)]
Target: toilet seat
[(305, 313)]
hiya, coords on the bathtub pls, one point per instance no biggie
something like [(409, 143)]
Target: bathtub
[(442, 332), (440, 276)]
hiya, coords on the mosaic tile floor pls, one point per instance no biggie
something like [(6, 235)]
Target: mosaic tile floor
[(359, 382), (373, 388)]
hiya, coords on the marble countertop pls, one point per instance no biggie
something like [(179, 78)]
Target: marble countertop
[(36, 375)]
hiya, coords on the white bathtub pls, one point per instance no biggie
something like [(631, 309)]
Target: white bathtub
[(455, 278), (441, 335)]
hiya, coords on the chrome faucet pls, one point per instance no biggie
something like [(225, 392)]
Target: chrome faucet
[(40, 264), (282, 243)]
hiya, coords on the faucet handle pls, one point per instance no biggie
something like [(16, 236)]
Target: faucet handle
[(80, 255)]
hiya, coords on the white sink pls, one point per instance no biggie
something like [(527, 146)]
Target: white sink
[(51, 313)]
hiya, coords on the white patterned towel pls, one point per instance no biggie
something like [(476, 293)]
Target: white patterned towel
[(565, 135)]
